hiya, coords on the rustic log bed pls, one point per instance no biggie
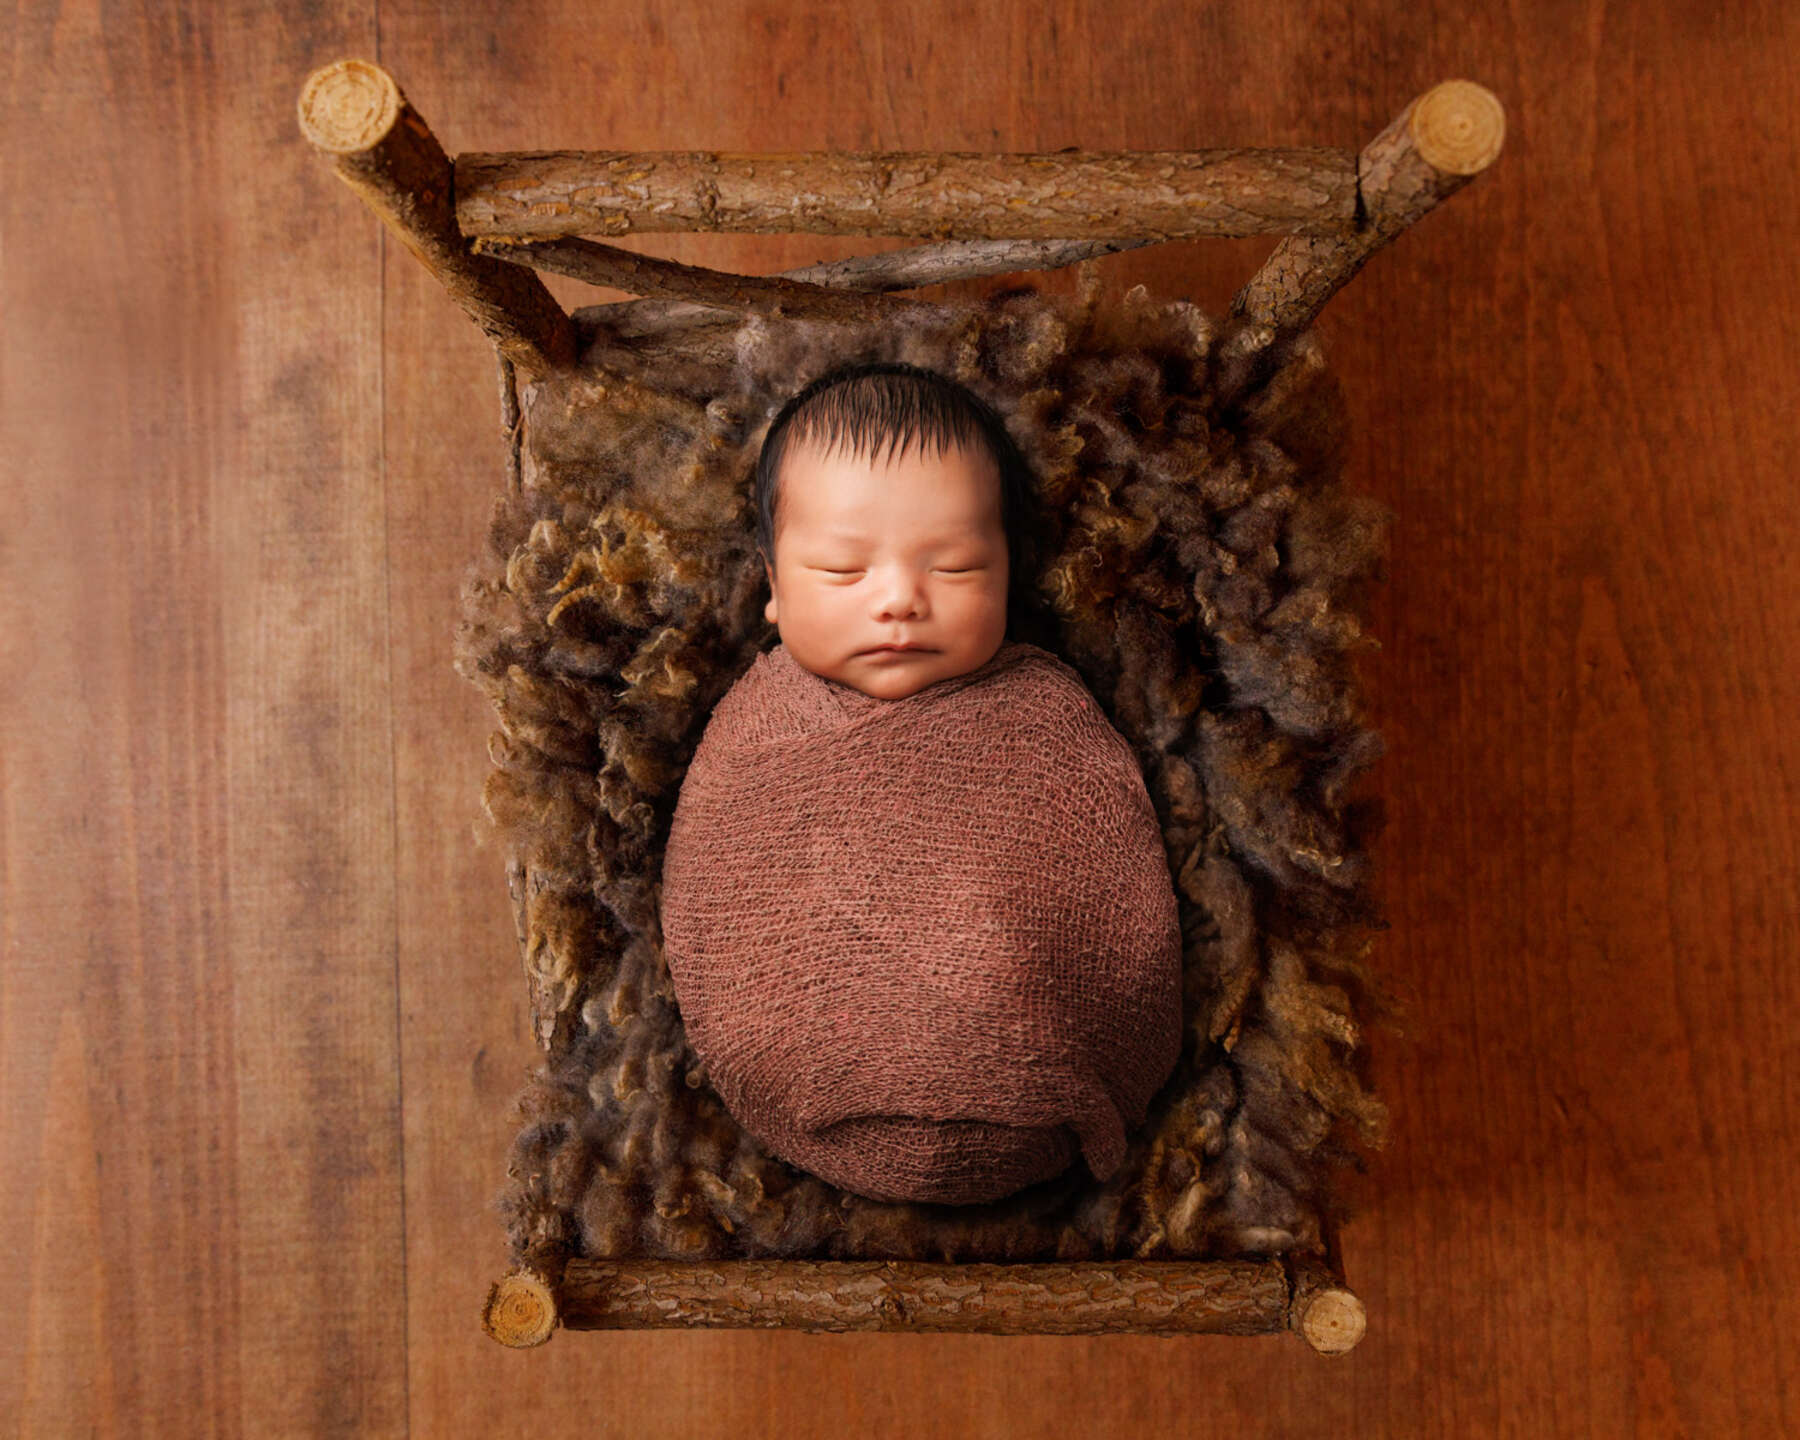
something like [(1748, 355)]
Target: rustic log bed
[(485, 223)]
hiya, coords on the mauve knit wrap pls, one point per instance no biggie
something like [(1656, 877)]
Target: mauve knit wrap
[(924, 947)]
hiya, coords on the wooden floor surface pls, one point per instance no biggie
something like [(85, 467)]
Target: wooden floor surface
[(260, 1014)]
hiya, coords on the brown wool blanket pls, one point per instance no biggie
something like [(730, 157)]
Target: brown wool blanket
[(926, 949)]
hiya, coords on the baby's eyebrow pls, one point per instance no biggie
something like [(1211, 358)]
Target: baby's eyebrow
[(949, 537)]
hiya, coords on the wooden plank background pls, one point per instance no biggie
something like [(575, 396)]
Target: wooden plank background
[(260, 1012)]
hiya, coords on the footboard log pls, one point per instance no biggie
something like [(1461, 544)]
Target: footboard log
[(1152, 1297)]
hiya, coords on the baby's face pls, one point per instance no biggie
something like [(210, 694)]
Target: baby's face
[(907, 549)]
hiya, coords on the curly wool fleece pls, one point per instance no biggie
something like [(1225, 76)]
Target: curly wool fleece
[(1204, 572)]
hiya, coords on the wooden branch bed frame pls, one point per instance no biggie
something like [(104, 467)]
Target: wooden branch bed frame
[(484, 223)]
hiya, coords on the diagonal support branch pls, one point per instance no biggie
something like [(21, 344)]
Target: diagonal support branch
[(908, 268), (626, 270)]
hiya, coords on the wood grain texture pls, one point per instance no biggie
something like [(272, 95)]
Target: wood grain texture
[(260, 1017), (202, 1124)]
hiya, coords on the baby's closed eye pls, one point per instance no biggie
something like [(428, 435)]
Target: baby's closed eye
[(939, 570)]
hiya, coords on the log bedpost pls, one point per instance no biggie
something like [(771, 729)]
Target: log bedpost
[(1435, 146), (1322, 1308), (520, 1310), (353, 112), (522, 1306)]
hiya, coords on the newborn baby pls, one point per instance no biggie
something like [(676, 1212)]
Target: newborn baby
[(915, 902)]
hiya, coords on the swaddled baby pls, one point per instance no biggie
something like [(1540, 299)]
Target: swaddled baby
[(914, 899)]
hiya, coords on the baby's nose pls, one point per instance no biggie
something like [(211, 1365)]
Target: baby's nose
[(904, 596)]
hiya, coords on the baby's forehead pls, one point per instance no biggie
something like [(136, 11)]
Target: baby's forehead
[(857, 518), (838, 492)]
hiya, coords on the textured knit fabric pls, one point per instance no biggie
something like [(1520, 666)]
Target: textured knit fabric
[(926, 949)]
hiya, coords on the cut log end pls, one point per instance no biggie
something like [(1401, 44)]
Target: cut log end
[(1333, 1321), (521, 1311), (1458, 127), (348, 106)]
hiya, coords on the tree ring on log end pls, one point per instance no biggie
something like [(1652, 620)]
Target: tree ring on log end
[(1334, 1321), (1458, 127), (520, 1311), (348, 106)]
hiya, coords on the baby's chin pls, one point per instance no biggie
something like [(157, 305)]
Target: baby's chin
[(890, 676), (894, 679), (893, 692)]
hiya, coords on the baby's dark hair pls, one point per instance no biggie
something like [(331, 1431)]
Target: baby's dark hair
[(864, 405)]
